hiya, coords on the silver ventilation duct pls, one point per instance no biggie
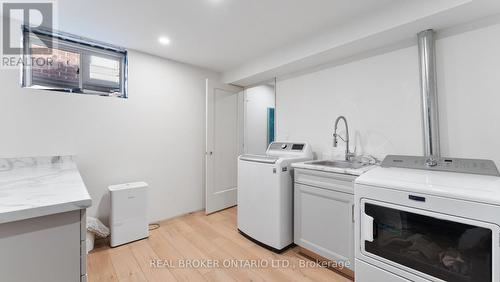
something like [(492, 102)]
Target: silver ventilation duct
[(428, 88), (430, 123)]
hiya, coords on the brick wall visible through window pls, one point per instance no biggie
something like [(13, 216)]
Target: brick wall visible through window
[(59, 65)]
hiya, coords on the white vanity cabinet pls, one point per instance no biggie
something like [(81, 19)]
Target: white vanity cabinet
[(49, 248), (324, 214), (42, 220)]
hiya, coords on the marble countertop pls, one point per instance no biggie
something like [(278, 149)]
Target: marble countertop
[(350, 171), (39, 186)]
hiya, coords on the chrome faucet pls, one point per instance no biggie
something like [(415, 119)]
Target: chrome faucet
[(348, 154)]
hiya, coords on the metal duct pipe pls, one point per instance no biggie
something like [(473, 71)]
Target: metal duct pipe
[(428, 85)]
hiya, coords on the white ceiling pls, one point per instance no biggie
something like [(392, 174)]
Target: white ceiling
[(393, 27), (215, 34)]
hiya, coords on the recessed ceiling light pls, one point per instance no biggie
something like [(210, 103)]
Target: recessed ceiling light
[(164, 40)]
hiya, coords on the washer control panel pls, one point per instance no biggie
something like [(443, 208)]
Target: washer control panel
[(284, 146), (471, 166)]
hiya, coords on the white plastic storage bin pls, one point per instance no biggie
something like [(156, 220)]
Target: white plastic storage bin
[(128, 219), (89, 241)]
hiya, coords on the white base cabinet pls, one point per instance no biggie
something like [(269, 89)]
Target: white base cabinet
[(324, 215), (44, 249)]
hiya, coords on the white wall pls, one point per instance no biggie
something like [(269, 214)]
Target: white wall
[(157, 135), (380, 98), (257, 100)]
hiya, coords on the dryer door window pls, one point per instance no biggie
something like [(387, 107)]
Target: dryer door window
[(445, 249)]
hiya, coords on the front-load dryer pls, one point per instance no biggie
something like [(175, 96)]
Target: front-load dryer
[(415, 223), (265, 194)]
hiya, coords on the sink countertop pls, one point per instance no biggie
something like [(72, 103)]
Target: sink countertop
[(349, 171), (39, 186)]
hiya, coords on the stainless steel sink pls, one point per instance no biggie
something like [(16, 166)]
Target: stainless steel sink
[(339, 164)]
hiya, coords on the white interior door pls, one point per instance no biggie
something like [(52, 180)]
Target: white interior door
[(224, 143)]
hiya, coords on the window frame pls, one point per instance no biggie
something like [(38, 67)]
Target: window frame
[(85, 48)]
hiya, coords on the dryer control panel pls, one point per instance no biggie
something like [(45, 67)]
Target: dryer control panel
[(471, 166)]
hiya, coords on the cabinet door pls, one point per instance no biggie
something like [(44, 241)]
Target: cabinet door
[(324, 223), (41, 249)]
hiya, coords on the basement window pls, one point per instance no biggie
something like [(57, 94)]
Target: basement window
[(62, 62)]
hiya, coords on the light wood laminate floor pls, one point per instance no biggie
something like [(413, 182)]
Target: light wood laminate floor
[(198, 238)]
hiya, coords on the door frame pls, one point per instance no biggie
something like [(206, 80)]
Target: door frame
[(274, 82)]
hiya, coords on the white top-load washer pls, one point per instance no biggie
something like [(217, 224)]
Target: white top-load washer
[(415, 223), (265, 193)]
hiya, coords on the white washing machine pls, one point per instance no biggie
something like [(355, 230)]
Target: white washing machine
[(415, 223), (265, 194)]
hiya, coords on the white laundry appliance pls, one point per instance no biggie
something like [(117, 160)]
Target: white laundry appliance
[(265, 194), (420, 223)]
